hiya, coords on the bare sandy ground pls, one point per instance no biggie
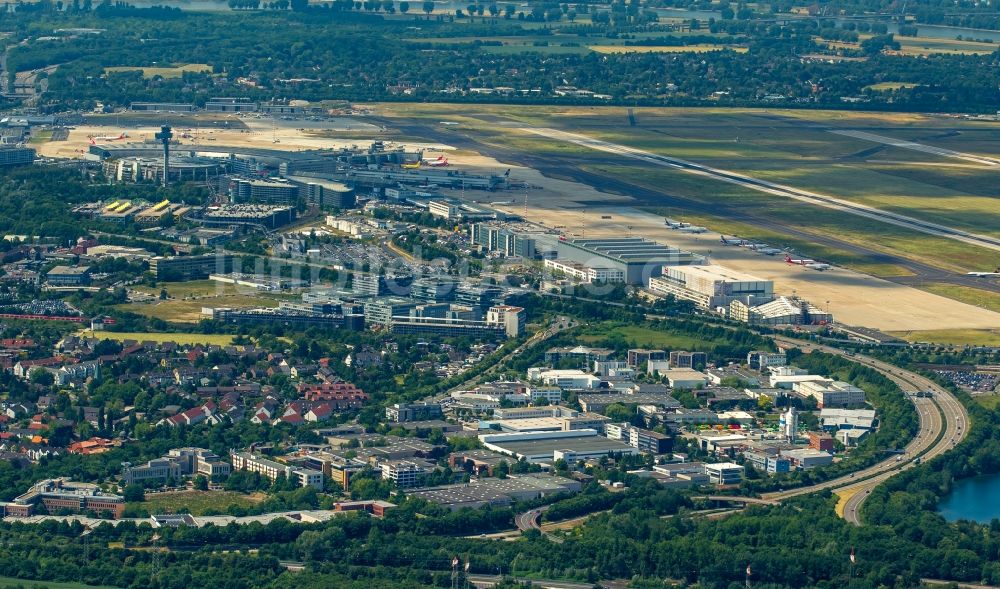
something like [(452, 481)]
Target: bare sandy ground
[(853, 298), (287, 135)]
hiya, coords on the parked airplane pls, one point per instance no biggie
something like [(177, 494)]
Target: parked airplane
[(734, 241), (94, 138), (798, 261), (412, 165), (692, 229), (818, 266), (439, 162)]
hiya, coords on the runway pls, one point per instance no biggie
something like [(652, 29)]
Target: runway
[(771, 188), (914, 146)]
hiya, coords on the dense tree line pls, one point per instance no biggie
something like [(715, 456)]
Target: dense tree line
[(350, 56)]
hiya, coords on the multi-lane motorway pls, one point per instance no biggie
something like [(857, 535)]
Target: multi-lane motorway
[(943, 423)]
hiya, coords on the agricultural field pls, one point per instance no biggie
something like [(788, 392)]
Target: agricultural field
[(177, 338), (922, 46), (161, 71), (196, 502)]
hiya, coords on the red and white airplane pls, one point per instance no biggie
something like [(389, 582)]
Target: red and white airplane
[(807, 263), (798, 261), (95, 138), (441, 161)]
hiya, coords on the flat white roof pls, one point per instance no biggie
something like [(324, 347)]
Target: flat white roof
[(716, 272)]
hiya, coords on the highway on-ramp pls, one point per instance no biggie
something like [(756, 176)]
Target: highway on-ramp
[(943, 423)]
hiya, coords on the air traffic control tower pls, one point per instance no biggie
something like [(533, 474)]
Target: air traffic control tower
[(165, 135)]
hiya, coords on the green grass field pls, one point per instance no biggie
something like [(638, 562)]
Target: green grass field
[(646, 337), (938, 251), (988, 401), (41, 137), (11, 582), (178, 338), (196, 502), (888, 86), (163, 72), (187, 299), (189, 311), (974, 296), (698, 48), (956, 337)]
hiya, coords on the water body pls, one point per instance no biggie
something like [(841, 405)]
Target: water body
[(976, 499)]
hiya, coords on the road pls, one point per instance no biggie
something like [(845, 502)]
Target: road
[(561, 324), (529, 519), (773, 188), (943, 423)]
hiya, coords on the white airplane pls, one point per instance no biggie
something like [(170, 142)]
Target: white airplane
[(692, 229), (441, 161), (734, 241), (818, 266), (983, 274)]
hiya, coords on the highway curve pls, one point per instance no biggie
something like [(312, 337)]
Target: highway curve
[(943, 423)]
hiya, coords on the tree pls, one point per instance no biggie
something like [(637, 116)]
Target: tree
[(134, 493), (404, 7), (299, 5), (201, 482), (428, 6), (40, 376), (876, 44)]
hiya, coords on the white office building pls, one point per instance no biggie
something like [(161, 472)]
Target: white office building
[(830, 393), (564, 379), (583, 273), (711, 286), (724, 473)]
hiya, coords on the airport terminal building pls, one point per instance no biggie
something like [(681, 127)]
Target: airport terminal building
[(638, 259)]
